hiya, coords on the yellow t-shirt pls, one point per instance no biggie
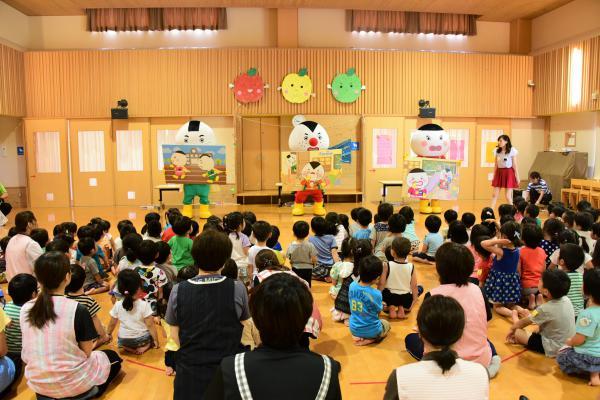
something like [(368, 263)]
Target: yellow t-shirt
[(171, 345), (4, 320)]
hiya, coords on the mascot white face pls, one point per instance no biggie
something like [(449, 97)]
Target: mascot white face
[(307, 135), (313, 171), (195, 132), (430, 141)]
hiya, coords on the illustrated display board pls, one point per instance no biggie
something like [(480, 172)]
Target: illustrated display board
[(194, 164), (489, 143), (321, 166), (433, 179)]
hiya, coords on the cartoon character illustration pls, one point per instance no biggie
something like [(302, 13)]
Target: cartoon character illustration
[(307, 135), (346, 88), (417, 181), (430, 141), (248, 87), (178, 163), (445, 179), (292, 162), (297, 87), (195, 132), (206, 162)]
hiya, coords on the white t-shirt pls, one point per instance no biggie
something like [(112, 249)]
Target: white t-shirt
[(340, 236), (132, 323), (21, 254), (554, 259), (504, 160), (239, 243), (398, 282), (466, 380), (252, 255), (124, 264)]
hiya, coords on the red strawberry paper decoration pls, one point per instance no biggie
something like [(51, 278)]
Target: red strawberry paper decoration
[(248, 87)]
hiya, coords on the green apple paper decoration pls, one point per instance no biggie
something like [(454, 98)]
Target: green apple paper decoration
[(346, 88)]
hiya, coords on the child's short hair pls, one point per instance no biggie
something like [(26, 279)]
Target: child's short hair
[(86, 246), (401, 247), (468, 219), (195, 229), (591, 284), (535, 175), (569, 218), (301, 229), (512, 232), (506, 209), (187, 272), (346, 248), (230, 269), (57, 230), (182, 226), (22, 287), (77, 279), (102, 223), (572, 255), (525, 221), (532, 235), (370, 268), (126, 229), (274, 238), (319, 226), (532, 211), (266, 259), (457, 232), (40, 236), (210, 250), (396, 224), (354, 213), (216, 221), (506, 218), (454, 264), (521, 206), (385, 211), (164, 251), (584, 220), (556, 209), (154, 229), (433, 223), (376, 218), (147, 252), (131, 246), (262, 230), (59, 245), (553, 227), (583, 205), (476, 241), (233, 221), (97, 232), (557, 282), (408, 214), (151, 216), (249, 216), (479, 230), (365, 217), (487, 213), (69, 228), (450, 216), (172, 214)]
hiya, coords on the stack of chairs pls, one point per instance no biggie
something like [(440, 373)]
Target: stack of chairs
[(581, 189)]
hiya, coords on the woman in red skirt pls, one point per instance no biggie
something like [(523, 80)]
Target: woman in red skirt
[(505, 171)]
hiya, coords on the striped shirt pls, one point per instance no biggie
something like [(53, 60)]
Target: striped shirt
[(576, 291), (541, 186), (86, 301), (13, 330)]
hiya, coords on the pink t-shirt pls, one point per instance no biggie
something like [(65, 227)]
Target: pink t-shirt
[(482, 265), (21, 253), (473, 345), (533, 264)]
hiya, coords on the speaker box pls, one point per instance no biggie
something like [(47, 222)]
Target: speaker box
[(426, 112), (119, 113)]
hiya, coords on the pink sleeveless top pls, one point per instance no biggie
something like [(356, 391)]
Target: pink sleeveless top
[(56, 366), (473, 345)]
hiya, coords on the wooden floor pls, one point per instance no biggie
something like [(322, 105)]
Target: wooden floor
[(364, 369)]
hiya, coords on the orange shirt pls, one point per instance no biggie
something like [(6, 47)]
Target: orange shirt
[(533, 264)]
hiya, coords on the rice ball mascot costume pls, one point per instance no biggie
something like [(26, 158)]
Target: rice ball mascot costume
[(308, 136), (430, 141), (196, 133)]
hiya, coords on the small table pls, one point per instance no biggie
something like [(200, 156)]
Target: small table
[(387, 184), (169, 187)]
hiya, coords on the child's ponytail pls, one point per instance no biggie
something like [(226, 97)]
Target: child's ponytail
[(511, 231), (50, 269), (360, 249), (129, 283), (232, 221)]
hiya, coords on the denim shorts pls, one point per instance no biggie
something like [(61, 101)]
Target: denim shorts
[(134, 343)]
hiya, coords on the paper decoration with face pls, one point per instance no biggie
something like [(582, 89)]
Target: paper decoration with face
[(346, 88), (195, 132), (312, 175), (417, 181), (178, 163), (297, 87), (248, 87), (307, 135), (431, 141)]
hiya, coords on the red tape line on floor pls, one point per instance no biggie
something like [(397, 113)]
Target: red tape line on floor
[(144, 365), (514, 355)]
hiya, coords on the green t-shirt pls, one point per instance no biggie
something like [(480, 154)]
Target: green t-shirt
[(2, 189), (588, 325), (181, 251)]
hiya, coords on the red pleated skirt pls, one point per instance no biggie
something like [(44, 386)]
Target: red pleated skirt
[(505, 178)]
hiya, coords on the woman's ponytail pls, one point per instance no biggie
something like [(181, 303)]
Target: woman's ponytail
[(444, 358), (50, 269)]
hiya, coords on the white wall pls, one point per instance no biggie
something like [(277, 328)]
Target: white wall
[(12, 167), (587, 127), (14, 27), (327, 28), (574, 20), (527, 135)]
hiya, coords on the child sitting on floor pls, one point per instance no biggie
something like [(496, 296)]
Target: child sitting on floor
[(533, 211), (449, 217), (432, 241), (584, 355), (341, 269), (261, 230), (181, 244), (365, 217), (469, 220), (380, 229), (570, 259), (131, 247), (137, 333), (93, 283), (396, 226), (550, 243), (326, 249), (233, 224), (399, 281), (482, 257), (366, 303), (22, 288), (301, 253), (153, 279), (555, 318), (532, 263), (409, 232)]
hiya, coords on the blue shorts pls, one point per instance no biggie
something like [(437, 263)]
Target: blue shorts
[(134, 343)]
